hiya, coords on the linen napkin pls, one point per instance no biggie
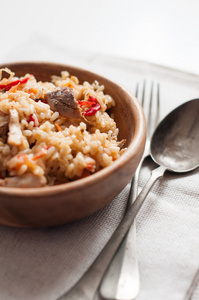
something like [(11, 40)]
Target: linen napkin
[(39, 264)]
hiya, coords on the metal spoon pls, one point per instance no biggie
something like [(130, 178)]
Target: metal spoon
[(174, 146)]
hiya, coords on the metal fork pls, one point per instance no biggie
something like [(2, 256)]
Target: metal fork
[(121, 280), (87, 287)]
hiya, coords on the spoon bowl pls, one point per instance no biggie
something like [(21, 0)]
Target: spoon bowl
[(174, 146), (175, 142)]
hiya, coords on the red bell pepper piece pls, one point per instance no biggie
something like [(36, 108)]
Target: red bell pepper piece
[(31, 118), (93, 110), (92, 103), (8, 86)]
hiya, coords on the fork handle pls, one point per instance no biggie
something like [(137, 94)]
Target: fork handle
[(121, 280), (86, 287)]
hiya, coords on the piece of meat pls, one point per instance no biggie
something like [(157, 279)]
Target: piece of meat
[(63, 101), (26, 180), (4, 119), (15, 134)]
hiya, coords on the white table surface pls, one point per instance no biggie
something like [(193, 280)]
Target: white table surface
[(110, 37)]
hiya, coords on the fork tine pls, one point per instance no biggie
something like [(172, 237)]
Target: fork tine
[(149, 119), (143, 93), (136, 90), (158, 105)]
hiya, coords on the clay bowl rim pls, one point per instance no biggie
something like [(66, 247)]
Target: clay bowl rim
[(132, 148)]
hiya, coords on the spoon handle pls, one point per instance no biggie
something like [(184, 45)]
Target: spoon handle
[(86, 287)]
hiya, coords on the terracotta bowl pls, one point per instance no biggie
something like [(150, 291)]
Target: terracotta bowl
[(60, 204)]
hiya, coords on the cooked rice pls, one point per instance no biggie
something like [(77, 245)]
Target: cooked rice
[(54, 148)]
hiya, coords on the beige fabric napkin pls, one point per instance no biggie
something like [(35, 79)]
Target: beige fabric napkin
[(39, 264)]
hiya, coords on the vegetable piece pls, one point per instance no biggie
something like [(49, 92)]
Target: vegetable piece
[(42, 152), (58, 127), (34, 119), (92, 104), (70, 85), (90, 167), (93, 110), (7, 87), (31, 119), (21, 160)]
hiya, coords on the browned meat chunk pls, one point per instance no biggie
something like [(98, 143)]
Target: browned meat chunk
[(63, 101), (4, 119)]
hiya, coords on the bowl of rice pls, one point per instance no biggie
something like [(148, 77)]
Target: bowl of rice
[(70, 141)]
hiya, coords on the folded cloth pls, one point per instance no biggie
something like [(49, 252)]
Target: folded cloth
[(38, 264), (44, 263)]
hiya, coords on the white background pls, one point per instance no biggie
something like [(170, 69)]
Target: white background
[(165, 32)]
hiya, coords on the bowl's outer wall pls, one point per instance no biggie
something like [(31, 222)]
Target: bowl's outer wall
[(61, 204)]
